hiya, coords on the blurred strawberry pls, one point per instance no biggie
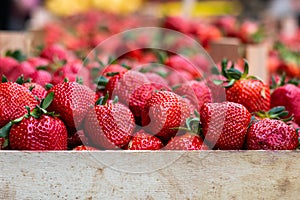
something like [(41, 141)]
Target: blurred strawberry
[(197, 92), (54, 53), (41, 77), (7, 65)]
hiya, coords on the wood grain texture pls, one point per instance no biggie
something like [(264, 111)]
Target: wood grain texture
[(150, 175)]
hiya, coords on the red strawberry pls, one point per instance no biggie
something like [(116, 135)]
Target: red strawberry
[(13, 99), (144, 141), (114, 68), (24, 68), (246, 90), (109, 125), (41, 77), (127, 84), (186, 142), (54, 53), (289, 97), (7, 65), (141, 96), (157, 79), (71, 71), (271, 134), (84, 148), (164, 112), (37, 130), (77, 139), (225, 124), (38, 62), (71, 102), (180, 63), (45, 133), (197, 92), (250, 32), (37, 90)]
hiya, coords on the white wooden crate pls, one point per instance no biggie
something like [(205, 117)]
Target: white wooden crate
[(189, 175)]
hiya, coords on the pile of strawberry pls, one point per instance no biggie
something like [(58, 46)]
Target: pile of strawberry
[(130, 108)]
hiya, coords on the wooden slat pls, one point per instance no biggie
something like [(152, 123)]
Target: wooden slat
[(150, 175), (12, 40), (257, 56), (225, 48)]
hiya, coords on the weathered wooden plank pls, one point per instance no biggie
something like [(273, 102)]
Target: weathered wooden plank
[(228, 48), (257, 56), (150, 175)]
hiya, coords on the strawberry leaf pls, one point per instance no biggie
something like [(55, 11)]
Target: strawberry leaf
[(4, 131), (48, 86), (20, 80), (48, 100), (4, 79), (17, 54)]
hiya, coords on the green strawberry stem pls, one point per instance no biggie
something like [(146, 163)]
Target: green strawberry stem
[(102, 100), (4, 79), (232, 74), (278, 113), (101, 82)]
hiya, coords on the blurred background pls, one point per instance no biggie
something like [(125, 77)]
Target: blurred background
[(26, 14), (225, 28)]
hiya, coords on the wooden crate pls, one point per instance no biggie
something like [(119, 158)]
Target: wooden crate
[(150, 175)]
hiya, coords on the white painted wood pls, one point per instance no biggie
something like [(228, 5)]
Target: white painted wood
[(186, 175), (257, 56)]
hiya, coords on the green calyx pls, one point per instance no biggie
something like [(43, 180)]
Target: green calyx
[(232, 74), (282, 81), (278, 113), (37, 112), (103, 100), (17, 54), (101, 82), (192, 125)]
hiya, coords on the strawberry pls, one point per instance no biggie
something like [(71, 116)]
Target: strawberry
[(141, 96), (38, 62), (182, 64), (271, 134), (41, 77), (197, 92), (164, 112), (36, 89), (7, 64), (36, 130), (23, 68), (288, 96), (54, 53), (127, 84), (246, 90), (225, 124), (109, 124), (13, 99), (84, 148), (71, 102), (76, 139), (155, 78), (186, 142), (144, 141), (113, 68)]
